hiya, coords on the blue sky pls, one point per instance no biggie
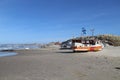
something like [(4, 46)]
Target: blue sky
[(42, 21)]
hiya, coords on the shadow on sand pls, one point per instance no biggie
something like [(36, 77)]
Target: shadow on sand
[(71, 52)]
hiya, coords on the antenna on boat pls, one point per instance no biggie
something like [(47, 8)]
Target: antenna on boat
[(73, 37), (92, 31)]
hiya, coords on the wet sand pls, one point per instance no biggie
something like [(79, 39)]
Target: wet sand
[(53, 64)]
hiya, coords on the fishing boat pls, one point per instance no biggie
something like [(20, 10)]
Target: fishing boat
[(87, 45)]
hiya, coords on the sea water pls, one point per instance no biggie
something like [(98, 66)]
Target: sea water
[(3, 54)]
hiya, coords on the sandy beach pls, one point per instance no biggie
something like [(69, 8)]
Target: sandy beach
[(54, 64)]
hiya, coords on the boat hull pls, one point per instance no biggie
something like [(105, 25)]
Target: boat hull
[(91, 48)]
